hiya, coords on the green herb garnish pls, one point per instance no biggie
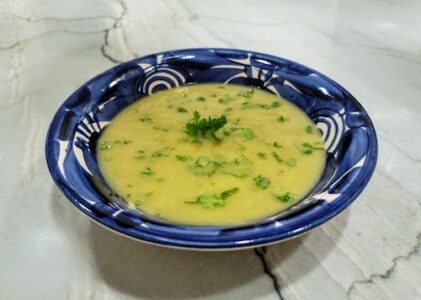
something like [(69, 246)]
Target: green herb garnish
[(104, 145), (182, 157), (285, 197), (276, 145), (182, 109), (261, 155), (309, 129), (148, 171), (201, 99), (276, 104), (145, 118), (213, 201), (308, 146), (282, 119), (262, 182), (247, 133), (201, 128), (246, 93), (277, 157), (291, 162)]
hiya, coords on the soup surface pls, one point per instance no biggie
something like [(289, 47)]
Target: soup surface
[(211, 154)]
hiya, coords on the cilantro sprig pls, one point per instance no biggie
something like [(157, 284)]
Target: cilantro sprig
[(213, 201), (200, 128)]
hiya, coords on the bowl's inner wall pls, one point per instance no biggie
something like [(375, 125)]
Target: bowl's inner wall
[(344, 124)]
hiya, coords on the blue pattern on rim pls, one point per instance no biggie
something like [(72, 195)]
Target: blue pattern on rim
[(347, 130)]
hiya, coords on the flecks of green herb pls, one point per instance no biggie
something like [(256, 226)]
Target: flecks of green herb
[(291, 162), (236, 121), (246, 93), (129, 186), (276, 104), (145, 118), (200, 128), (137, 203), (113, 194), (309, 129), (276, 145), (160, 179), (281, 119), (104, 145), (277, 157), (262, 182), (160, 153), (228, 109), (201, 99), (261, 155), (182, 157), (312, 147), (182, 109), (247, 133), (285, 197), (160, 128), (125, 142), (140, 154), (221, 87), (214, 201), (128, 195), (202, 161), (148, 171), (307, 151)]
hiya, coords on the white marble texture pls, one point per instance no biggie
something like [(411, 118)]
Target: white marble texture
[(48, 250)]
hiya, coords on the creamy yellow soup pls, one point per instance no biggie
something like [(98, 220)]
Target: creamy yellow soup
[(211, 154)]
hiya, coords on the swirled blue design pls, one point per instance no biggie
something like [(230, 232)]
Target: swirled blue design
[(349, 136)]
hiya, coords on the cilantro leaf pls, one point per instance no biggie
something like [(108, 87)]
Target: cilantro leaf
[(200, 128), (262, 182), (285, 197), (213, 201), (277, 157)]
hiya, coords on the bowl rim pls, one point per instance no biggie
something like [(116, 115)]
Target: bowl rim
[(315, 217)]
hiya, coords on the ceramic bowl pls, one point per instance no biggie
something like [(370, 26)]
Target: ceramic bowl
[(348, 133)]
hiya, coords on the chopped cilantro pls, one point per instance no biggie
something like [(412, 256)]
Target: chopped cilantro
[(213, 201), (145, 118), (160, 128), (247, 133), (148, 171), (182, 157), (246, 93), (113, 194), (307, 151), (261, 155), (262, 182), (281, 119), (202, 161), (125, 142), (309, 129), (201, 99), (228, 193), (285, 197), (276, 145), (291, 162), (181, 109), (104, 145), (200, 128), (276, 104), (277, 157), (312, 147)]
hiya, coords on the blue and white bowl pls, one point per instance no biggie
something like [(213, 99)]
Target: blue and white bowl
[(349, 136)]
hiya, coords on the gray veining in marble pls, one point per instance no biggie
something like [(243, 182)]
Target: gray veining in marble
[(48, 250)]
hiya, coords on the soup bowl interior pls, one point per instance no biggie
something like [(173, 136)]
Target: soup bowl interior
[(348, 133)]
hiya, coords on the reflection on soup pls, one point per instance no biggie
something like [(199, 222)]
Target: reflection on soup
[(211, 154)]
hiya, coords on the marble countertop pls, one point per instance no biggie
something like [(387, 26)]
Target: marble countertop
[(48, 250)]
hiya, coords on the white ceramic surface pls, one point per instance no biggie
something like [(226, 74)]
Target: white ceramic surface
[(48, 250)]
